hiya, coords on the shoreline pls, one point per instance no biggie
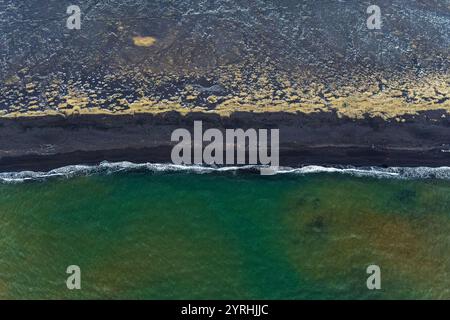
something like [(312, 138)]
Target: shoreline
[(108, 168), (329, 157), (46, 143)]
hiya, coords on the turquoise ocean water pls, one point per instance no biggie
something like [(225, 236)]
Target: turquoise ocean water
[(193, 234)]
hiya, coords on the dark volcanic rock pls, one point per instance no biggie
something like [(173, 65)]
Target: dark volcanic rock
[(194, 35), (320, 49)]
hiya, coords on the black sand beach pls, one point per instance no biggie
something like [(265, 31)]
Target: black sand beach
[(45, 143)]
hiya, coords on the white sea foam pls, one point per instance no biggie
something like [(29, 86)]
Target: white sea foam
[(115, 167)]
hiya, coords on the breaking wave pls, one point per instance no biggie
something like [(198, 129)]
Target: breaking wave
[(115, 167)]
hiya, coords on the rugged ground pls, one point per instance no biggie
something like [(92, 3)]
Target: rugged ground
[(225, 56)]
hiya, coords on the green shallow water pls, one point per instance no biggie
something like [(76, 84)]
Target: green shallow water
[(218, 236)]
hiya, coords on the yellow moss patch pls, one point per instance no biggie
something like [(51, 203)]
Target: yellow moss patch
[(144, 41), (256, 92), (212, 99)]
